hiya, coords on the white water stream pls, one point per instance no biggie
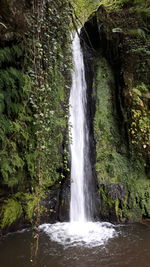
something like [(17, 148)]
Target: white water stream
[(77, 121), (80, 230)]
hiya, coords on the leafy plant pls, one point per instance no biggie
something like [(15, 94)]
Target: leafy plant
[(11, 211), (140, 129)]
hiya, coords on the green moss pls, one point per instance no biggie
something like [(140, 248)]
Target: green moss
[(141, 193), (34, 81), (111, 165), (134, 205), (23, 205), (11, 211), (114, 163), (31, 202), (84, 8), (117, 4), (140, 118)]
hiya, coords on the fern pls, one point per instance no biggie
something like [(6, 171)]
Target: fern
[(5, 168), (10, 54), (11, 211), (31, 203)]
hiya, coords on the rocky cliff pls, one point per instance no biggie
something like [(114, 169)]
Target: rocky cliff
[(116, 48)]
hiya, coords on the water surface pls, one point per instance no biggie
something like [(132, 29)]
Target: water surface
[(130, 247)]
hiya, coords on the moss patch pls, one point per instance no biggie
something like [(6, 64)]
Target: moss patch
[(11, 211), (115, 166)]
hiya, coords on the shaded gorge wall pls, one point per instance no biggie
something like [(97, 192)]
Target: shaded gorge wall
[(119, 112)]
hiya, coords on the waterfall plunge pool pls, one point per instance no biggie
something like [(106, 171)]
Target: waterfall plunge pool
[(130, 246), (87, 234)]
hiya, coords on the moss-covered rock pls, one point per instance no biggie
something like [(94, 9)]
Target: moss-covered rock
[(11, 211), (120, 43), (115, 167)]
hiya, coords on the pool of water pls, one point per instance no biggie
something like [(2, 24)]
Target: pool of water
[(130, 246)]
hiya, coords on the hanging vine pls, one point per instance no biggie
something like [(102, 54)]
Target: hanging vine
[(41, 154)]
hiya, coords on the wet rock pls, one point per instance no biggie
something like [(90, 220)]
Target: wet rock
[(64, 202), (112, 198), (119, 82)]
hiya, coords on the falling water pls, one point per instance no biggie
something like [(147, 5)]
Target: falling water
[(80, 231), (79, 134)]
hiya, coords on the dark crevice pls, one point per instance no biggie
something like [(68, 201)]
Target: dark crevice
[(110, 50), (88, 54)]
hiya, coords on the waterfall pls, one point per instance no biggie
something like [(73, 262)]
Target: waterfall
[(80, 140), (81, 230)]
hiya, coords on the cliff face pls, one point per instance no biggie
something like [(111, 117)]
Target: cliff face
[(35, 67), (118, 45)]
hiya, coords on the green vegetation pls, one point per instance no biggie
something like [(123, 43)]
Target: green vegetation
[(115, 4), (112, 162), (84, 8), (140, 116), (20, 204), (109, 146), (121, 123), (11, 211), (34, 83), (35, 68), (131, 205)]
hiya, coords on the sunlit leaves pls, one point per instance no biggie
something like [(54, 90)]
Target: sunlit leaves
[(140, 125), (84, 8)]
